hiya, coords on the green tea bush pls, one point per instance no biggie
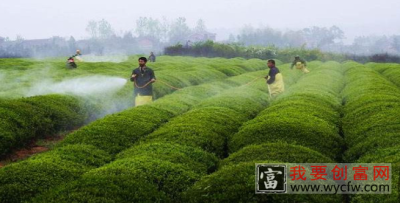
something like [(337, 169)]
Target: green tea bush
[(303, 115), (393, 74), (212, 123), (371, 121), (279, 151), (381, 67), (371, 112), (65, 112), (315, 133), (235, 183), (118, 131), (105, 189), (385, 155), (35, 117), (194, 158), (244, 100), (142, 178), (20, 122), (207, 128), (21, 181), (80, 153)]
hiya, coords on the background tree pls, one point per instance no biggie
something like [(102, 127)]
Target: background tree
[(92, 29), (318, 37), (200, 26), (105, 30), (179, 31)]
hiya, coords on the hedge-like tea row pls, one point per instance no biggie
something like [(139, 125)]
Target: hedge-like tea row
[(234, 181), (23, 180), (277, 151), (393, 74), (307, 114), (372, 111), (210, 70), (382, 67), (110, 135), (173, 157), (371, 123), (383, 155), (35, 117)]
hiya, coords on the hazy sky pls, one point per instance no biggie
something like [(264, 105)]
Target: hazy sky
[(46, 18)]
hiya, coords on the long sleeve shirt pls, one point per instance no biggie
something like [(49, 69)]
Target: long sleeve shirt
[(272, 74), (143, 76), (152, 58)]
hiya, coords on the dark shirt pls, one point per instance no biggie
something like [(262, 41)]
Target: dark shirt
[(152, 58), (143, 76), (272, 74)]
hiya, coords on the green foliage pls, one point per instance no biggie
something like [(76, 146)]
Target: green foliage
[(35, 117), (280, 151), (65, 112), (192, 157), (163, 151), (118, 131), (385, 155), (235, 183), (372, 111), (23, 180), (97, 143), (80, 153), (304, 115), (393, 73), (315, 133), (104, 189), (244, 100), (372, 120), (142, 178), (207, 128), (214, 49)]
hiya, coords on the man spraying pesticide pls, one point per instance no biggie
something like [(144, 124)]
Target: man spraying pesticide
[(71, 60), (152, 57), (300, 64), (274, 80), (143, 77)]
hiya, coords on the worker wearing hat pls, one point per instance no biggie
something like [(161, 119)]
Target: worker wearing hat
[(71, 60), (77, 55)]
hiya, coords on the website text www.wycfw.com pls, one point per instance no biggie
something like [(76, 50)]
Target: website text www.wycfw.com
[(343, 188), (323, 178)]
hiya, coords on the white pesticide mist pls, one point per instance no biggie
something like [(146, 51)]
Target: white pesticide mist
[(106, 58), (83, 86), (97, 90)]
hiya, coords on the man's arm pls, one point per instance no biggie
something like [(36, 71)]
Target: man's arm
[(133, 76), (272, 75), (152, 76)]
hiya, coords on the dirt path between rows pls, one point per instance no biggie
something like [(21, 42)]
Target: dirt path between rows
[(35, 147)]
